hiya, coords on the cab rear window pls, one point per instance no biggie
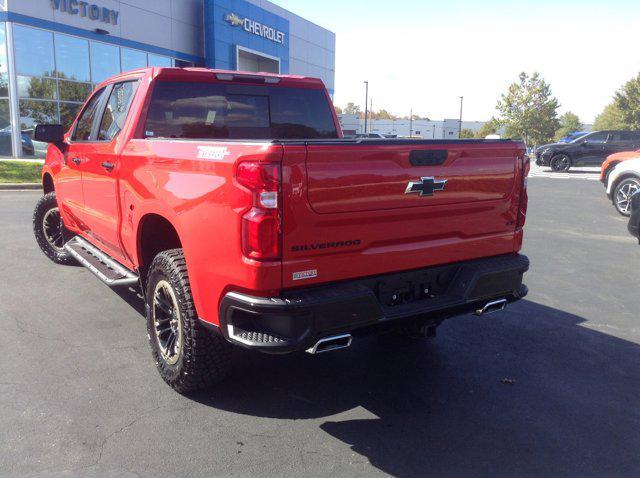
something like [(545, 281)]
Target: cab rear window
[(231, 111)]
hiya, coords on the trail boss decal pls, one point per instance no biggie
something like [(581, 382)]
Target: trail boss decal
[(325, 245), (212, 152)]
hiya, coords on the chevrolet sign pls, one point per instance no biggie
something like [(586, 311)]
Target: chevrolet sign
[(257, 28)]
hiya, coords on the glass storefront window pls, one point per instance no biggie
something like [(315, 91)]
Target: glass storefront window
[(4, 73), (72, 58), (159, 60), (105, 61), (40, 88), (32, 113), (33, 51), (74, 91), (55, 73), (68, 112), (5, 129), (132, 59)]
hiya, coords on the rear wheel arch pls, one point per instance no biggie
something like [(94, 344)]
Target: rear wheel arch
[(155, 235)]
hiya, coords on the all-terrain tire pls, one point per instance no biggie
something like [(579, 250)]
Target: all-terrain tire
[(49, 230), (203, 357)]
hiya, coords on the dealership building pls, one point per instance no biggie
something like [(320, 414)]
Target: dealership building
[(54, 52)]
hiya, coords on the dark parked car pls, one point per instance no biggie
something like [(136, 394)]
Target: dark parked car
[(634, 219), (588, 150), (5, 142)]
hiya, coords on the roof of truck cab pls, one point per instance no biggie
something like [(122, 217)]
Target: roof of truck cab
[(199, 74)]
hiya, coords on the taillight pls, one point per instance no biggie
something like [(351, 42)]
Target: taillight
[(261, 223), (524, 197)]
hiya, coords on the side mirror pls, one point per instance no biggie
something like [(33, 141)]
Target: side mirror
[(584, 143), (49, 133)]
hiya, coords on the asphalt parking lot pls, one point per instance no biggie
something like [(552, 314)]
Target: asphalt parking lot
[(549, 387)]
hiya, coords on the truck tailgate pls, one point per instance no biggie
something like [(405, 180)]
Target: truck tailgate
[(354, 209)]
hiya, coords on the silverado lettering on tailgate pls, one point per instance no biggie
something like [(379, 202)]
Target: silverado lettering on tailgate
[(325, 245)]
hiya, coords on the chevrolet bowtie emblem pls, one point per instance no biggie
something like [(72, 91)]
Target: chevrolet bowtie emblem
[(426, 186), (234, 19)]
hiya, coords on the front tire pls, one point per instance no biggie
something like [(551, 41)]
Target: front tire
[(189, 357), (49, 229), (622, 195), (560, 163)]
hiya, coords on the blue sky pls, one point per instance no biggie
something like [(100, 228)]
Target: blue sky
[(425, 54)]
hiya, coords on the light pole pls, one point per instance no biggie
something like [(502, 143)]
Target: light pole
[(411, 123), (460, 120), (366, 103)]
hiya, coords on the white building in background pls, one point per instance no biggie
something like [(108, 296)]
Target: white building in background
[(427, 129)]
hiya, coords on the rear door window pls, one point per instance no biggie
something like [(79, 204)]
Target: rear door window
[(116, 110), (231, 111)]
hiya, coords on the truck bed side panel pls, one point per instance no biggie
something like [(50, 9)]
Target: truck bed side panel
[(191, 184)]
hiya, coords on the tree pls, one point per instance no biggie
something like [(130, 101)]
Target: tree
[(467, 134), (610, 118), (627, 100), (352, 109), (490, 127), (569, 123), (529, 111), (383, 114), (338, 109)]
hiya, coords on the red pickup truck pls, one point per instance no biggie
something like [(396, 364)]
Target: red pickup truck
[(233, 202)]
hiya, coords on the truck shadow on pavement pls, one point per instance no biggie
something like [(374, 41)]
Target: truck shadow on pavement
[(525, 392)]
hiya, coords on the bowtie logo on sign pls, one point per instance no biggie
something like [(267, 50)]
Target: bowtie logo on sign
[(257, 28)]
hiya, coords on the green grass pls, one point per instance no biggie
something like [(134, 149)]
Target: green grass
[(19, 172)]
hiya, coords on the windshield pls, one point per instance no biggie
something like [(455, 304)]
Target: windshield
[(230, 111)]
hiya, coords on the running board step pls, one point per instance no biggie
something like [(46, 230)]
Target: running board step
[(100, 264)]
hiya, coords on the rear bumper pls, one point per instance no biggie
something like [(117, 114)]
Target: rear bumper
[(298, 319)]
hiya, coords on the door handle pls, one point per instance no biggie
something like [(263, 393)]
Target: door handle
[(76, 161), (108, 166)]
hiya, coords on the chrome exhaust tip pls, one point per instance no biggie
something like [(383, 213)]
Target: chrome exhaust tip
[(333, 342), (494, 306)]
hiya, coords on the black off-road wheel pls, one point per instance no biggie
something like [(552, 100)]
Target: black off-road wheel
[(560, 163), (49, 230), (188, 356)]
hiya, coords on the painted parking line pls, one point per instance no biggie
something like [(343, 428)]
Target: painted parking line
[(589, 174)]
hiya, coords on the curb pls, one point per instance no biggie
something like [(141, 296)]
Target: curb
[(19, 186)]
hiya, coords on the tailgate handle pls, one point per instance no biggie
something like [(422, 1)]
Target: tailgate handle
[(428, 157)]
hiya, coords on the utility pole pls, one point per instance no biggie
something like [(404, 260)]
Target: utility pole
[(366, 102), (411, 123), (460, 120)]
